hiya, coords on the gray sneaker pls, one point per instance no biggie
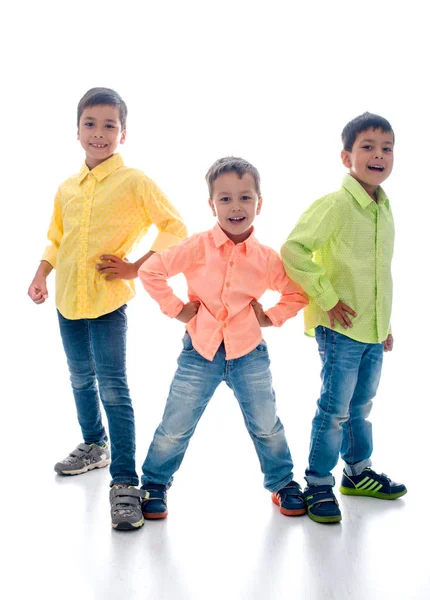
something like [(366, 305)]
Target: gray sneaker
[(126, 507), (84, 458)]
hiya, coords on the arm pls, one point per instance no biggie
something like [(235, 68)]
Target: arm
[(293, 298), (170, 226), (38, 290), (312, 231), (160, 267), (162, 213)]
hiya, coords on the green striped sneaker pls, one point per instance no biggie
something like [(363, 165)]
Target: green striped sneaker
[(371, 484)]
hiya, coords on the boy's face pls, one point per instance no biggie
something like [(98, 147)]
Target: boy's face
[(371, 159), (99, 132), (235, 203)]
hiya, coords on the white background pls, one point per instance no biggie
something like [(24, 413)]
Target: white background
[(274, 82)]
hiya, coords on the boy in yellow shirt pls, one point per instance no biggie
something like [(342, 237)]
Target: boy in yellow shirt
[(100, 214)]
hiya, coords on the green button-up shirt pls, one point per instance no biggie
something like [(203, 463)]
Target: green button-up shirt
[(341, 249)]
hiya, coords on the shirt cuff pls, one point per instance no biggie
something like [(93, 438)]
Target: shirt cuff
[(164, 240), (276, 315), (50, 255), (172, 307), (327, 300)]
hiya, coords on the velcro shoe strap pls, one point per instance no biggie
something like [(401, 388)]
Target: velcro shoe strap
[(319, 495), (125, 496), (153, 495)]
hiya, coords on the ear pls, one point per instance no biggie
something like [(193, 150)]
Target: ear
[(123, 136), (346, 159), (211, 204), (259, 205)]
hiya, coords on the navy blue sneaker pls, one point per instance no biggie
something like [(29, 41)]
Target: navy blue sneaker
[(154, 503), (290, 500), (371, 484), (321, 504)]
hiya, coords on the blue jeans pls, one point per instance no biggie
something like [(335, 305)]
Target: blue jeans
[(193, 385), (350, 377), (96, 355)]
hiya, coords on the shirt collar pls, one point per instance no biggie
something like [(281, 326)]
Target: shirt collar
[(360, 194), (220, 238), (103, 169)]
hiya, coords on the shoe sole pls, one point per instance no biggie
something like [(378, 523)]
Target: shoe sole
[(98, 465), (162, 515), (328, 519), (296, 512), (355, 492), (126, 526)]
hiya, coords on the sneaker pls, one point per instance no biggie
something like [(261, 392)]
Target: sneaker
[(84, 458), (125, 507), (154, 503), (290, 500), (369, 483), (321, 504)]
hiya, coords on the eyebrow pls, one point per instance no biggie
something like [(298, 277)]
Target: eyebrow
[(106, 120), (373, 141), (242, 192)]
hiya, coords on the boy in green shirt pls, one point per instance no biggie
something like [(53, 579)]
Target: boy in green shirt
[(340, 253)]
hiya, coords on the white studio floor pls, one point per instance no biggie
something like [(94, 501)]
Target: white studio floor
[(223, 537)]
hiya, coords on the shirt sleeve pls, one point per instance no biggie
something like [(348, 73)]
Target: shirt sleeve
[(155, 272), (55, 233), (162, 213), (293, 298), (312, 231)]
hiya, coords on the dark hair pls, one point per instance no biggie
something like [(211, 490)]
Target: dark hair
[(232, 164), (362, 123), (100, 95)]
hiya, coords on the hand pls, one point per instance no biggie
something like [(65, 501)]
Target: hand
[(389, 343), (189, 310), (340, 313), (38, 291), (116, 268), (262, 318)]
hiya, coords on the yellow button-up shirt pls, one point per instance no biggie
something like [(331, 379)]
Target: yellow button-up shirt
[(104, 211)]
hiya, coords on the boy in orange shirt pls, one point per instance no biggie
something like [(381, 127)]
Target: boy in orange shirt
[(100, 214), (227, 271)]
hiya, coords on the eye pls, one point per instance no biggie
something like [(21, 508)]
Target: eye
[(388, 149), (89, 124), (224, 199), (109, 126), (246, 198), (367, 147)]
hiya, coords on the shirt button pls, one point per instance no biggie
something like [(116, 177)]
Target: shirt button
[(225, 325), (231, 263), (227, 284)]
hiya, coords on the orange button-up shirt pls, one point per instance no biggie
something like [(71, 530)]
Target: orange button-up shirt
[(104, 211), (225, 278)]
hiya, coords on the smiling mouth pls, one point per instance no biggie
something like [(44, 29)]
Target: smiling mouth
[(378, 168), (99, 146), (236, 219)]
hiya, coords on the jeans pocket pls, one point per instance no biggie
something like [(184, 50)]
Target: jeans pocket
[(187, 343), (262, 346)]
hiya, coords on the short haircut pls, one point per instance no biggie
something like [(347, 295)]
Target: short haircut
[(362, 123), (232, 164), (100, 95)]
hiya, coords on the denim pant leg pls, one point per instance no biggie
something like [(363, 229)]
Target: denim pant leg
[(193, 385), (108, 335), (357, 441), (251, 381), (76, 342), (341, 358)]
